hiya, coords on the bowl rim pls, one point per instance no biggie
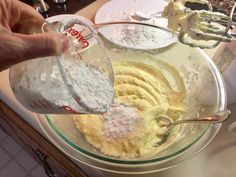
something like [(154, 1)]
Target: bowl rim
[(120, 161)]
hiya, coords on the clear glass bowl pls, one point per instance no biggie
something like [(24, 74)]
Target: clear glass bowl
[(205, 94)]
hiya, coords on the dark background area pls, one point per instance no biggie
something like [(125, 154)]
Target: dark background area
[(70, 7)]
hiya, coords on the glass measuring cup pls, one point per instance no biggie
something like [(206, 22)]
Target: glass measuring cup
[(78, 81)]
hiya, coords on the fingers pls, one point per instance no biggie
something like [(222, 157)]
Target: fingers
[(15, 48), (41, 45), (22, 14), (27, 12)]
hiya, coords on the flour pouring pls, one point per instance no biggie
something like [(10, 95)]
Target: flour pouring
[(78, 81)]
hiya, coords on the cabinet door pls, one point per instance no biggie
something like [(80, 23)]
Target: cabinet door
[(46, 162), (5, 126), (54, 161)]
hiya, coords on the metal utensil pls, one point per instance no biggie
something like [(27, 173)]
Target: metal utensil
[(41, 6), (206, 26), (194, 26), (141, 16), (218, 117), (59, 1), (197, 26)]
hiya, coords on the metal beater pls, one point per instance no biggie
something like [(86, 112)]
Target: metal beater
[(198, 26)]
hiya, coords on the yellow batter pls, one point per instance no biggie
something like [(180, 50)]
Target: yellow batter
[(146, 88)]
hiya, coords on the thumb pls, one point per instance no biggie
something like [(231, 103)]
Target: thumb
[(15, 48), (41, 45)]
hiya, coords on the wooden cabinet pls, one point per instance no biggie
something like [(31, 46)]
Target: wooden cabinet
[(54, 161)]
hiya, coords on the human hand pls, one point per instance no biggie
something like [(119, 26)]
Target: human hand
[(16, 47)]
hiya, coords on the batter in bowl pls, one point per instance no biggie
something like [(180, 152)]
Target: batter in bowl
[(130, 128)]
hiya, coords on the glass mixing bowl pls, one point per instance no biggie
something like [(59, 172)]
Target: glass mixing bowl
[(184, 68)]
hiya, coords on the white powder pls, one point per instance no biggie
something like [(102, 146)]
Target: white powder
[(119, 120), (88, 85), (138, 36), (43, 87)]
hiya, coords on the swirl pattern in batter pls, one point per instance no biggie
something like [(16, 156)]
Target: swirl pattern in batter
[(130, 129)]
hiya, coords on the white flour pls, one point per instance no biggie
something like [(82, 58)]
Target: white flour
[(119, 120), (88, 85), (138, 36), (87, 89)]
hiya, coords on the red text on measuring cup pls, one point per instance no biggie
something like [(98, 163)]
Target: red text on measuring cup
[(77, 34)]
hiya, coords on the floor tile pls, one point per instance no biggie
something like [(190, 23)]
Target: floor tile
[(12, 169), (38, 172), (2, 134), (4, 157), (25, 160), (10, 146)]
